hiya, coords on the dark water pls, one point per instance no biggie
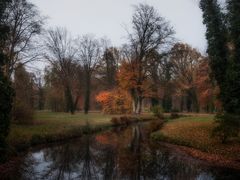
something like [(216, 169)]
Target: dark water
[(116, 154)]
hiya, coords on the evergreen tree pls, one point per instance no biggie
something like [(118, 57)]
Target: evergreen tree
[(217, 42), (223, 36), (233, 74), (6, 91)]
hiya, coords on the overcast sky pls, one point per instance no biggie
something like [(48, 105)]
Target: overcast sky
[(110, 17)]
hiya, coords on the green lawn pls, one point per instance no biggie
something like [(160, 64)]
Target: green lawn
[(50, 126), (195, 131)]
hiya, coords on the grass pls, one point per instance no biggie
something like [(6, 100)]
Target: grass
[(50, 127), (195, 131)]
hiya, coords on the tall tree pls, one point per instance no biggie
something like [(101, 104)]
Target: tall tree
[(6, 92), (223, 49), (233, 77), (24, 85), (185, 61), (108, 67), (89, 54), (151, 32), (25, 23), (217, 42), (61, 55)]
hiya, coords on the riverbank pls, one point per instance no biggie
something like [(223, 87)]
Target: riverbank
[(193, 136), (49, 127)]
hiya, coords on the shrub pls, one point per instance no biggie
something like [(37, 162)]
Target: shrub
[(228, 126), (158, 111), (124, 120), (22, 113), (175, 111), (174, 115), (116, 101)]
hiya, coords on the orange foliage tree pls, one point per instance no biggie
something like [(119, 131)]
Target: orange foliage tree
[(116, 101), (207, 88), (128, 80)]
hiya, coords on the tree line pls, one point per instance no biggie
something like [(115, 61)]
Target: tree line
[(151, 69)]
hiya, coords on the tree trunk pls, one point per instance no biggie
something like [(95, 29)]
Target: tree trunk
[(139, 105), (69, 100), (87, 94)]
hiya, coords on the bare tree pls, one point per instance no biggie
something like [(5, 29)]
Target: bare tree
[(89, 54), (108, 67), (150, 33), (60, 52), (25, 23)]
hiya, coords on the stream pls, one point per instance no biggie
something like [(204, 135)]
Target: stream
[(122, 153)]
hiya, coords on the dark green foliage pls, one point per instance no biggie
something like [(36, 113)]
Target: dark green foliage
[(228, 126), (217, 42), (157, 111), (223, 35), (6, 92), (167, 103), (233, 74)]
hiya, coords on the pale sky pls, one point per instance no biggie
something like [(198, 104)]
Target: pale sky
[(110, 18)]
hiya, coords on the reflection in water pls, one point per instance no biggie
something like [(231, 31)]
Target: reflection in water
[(124, 154)]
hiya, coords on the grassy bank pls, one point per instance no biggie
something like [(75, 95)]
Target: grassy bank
[(195, 132), (50, 127)]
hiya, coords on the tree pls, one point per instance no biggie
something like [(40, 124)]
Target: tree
[(6, 91), (217, 42), (150, 33), (25, 24), (232, 104), (223, 49), (185, 62), (61, 55), (24, 86), (207, 89), (89, 53), (40, 91), (108, 67), (116, 101)]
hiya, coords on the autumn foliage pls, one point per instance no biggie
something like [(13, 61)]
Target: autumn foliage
[(116, 101)]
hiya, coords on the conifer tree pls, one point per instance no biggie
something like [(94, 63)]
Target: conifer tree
[(6, 91)]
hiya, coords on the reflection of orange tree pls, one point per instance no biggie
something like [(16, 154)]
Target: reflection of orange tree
[(129, 162)]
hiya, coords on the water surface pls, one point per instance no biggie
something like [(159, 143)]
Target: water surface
[(116, 154)]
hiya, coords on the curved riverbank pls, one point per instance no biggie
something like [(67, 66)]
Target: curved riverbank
[(193, 136), (210, 159), (119, 153)]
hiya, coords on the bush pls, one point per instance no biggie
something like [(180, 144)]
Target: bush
[(175, 111), (228, 126), (158, 112), (22, 113), (116, 101), (124, 120), (174, 115)]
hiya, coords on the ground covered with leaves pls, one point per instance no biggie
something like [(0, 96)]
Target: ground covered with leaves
[(196, 132)]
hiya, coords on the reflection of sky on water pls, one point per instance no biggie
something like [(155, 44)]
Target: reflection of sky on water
[(115, 155)]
